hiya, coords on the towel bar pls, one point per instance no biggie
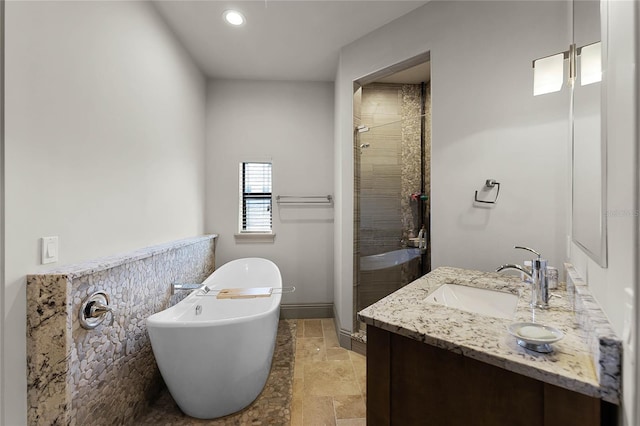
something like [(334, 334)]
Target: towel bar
[(304, 199)]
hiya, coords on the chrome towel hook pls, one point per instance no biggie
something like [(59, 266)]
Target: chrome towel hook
[(490, 183)]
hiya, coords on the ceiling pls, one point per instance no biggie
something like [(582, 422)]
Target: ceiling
[(281, 40), (417, 74)]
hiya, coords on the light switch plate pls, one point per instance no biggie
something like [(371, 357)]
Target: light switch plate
[(49, 249)]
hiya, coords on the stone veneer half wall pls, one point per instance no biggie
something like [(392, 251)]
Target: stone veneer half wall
[(107, 375)]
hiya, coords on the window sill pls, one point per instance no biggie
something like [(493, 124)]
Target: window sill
[(255, 237)]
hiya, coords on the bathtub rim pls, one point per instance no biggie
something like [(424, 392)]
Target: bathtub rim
[(161, 321), (167, 317)]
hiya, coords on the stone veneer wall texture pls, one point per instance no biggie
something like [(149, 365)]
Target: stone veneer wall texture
[(411, 156), (107, 375), (411, 176)]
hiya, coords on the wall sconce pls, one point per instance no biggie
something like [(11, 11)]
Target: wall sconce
[(549, 74), (590, 63)]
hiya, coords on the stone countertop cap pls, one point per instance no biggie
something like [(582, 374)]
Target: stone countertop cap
[(97, 265), (485, 338)]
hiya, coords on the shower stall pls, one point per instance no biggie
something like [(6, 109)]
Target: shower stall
[(392, 190)]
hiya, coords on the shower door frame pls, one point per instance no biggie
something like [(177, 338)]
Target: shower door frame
[(356, 117)]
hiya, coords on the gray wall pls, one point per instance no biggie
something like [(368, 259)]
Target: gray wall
[(609, 285), (485, 124), (104, 141), (290, 124)]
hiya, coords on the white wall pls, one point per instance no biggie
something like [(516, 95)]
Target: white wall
[(608, 284), (2, 221), (105, 121), (290, 124), (486, 124)]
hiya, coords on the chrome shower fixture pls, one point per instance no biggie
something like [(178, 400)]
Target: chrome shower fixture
[(362, 129), (365, 145)]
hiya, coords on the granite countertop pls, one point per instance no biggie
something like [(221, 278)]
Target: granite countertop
[(571, 364), (94, 266)]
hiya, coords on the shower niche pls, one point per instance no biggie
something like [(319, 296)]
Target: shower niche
[(392, 146)]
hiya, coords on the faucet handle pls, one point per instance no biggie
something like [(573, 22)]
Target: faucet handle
[(529, 249)]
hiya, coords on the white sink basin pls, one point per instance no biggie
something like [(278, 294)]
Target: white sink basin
[(481, 301)]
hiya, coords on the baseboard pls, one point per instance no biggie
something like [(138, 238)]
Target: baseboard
[(344, 336), (308, 310), (359, 347)]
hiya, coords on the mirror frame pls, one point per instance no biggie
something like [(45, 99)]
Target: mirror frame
[(597, 254)]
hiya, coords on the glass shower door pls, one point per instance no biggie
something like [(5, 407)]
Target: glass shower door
[(389, 174)]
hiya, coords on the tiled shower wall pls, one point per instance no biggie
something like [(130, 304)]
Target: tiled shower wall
[(390, 171), (426, 158), (106, 375), (390, 168)]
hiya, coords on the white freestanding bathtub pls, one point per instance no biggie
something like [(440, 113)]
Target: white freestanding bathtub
[(215, 354)]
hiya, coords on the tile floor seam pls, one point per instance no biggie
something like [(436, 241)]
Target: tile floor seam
[(335, 408), (355, 373), (327, 347)]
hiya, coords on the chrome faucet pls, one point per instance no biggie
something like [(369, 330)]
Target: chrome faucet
[(538, 275), (175, 287), (515, 267)]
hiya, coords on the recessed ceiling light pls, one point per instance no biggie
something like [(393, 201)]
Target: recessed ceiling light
[(233, 17)]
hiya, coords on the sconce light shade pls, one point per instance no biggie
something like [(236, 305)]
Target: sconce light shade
[(590, 64), (548, 74)]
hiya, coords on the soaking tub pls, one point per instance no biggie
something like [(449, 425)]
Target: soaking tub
[(215, 354)]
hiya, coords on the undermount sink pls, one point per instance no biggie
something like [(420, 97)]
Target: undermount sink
[(481, 301)]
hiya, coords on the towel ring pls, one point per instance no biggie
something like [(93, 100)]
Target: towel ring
[(490, 183)]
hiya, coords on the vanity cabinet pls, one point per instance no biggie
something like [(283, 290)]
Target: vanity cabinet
[(413, 383)]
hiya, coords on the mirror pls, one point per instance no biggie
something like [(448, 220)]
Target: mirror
[(588, 216)]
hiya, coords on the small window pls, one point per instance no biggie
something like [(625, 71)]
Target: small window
[(255, 198)]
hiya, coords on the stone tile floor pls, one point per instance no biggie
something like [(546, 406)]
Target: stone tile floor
[(329, 382), (313, 381)]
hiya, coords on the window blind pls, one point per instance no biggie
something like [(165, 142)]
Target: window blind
[(256, 197)]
